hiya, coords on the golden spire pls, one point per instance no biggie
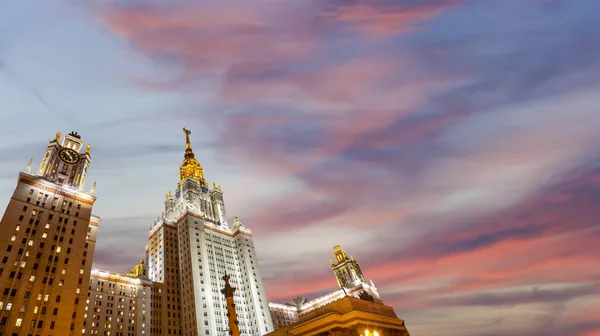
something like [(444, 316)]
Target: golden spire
[(190, 168)]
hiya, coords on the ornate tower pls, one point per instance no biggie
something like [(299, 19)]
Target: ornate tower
[(346, 270), (228, 291), (64, 163), (191, 247), (190, 167), (47, 240)]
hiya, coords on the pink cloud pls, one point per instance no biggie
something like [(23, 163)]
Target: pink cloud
[(376, 18), (212, 37), (281, 62)]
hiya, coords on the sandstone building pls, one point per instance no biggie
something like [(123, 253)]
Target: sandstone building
[(47, 240)]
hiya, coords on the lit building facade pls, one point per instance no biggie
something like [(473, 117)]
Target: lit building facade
[(120, 305), (47, 241), (347, 316), (191, 248), (352, 284)]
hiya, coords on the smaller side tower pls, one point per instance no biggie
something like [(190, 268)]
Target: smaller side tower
[(346, 270), (64, 163)]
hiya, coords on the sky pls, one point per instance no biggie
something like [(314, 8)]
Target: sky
[(451, 146)]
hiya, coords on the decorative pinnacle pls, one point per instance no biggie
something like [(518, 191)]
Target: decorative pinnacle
[(75, 135), (188, 146), (29, 164)]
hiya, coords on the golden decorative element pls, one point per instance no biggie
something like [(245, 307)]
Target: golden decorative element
[(88, 148), (214, 185), (219, 187), (58, 135), (169, 194), (190, 168), (138, 270), (340, 255)]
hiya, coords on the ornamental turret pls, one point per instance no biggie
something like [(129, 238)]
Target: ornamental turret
[(190, 167), (346, 270)]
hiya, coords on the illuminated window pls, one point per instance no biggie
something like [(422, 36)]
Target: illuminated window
[(58, 249), (18, 324), (13, 238), (31, 243), (64, 271), (47, 225), (44, 235), (32, 278)]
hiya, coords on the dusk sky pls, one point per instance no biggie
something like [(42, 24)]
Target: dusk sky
[(452, 147)]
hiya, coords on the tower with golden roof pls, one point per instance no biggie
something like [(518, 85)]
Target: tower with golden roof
[(190, 167), (190, 247)]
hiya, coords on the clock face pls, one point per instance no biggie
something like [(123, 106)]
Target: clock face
[(68, 155)]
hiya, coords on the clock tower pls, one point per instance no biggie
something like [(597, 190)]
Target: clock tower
[(47, 241), (64, 161)]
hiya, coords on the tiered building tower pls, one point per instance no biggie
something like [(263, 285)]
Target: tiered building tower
[(191, 247), (351, 283), (47, 240)]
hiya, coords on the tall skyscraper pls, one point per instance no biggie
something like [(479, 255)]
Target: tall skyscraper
[(47, 240), (191, 247)]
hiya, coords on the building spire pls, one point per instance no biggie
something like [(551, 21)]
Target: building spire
[(28, 167), (190, 168), (188, 146), (234, 330)]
